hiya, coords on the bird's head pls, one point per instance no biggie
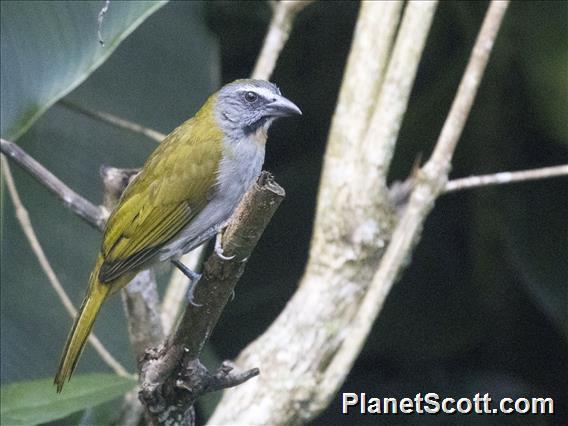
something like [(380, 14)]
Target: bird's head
[(244, 107)]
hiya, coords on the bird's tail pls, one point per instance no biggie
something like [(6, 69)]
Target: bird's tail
[(96, 295)]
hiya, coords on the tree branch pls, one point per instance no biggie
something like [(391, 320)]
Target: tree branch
[(505, 178), (284, 13), (172, 377), (368, 59), (26, 225), (430, 184), (82, 207), (384, 125), (439, 163), (114, 120)]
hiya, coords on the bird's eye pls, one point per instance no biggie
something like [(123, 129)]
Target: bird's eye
[(251, 97)]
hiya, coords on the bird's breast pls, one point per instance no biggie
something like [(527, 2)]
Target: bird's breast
[(240, 166)]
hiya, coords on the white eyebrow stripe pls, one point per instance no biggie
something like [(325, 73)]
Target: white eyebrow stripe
[(261, 91)]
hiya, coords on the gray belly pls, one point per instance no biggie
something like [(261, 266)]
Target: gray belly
[(236, 175), (202, 228)]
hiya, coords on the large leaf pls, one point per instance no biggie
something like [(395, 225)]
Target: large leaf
[(159, 76), (50, 47), (33, 402)]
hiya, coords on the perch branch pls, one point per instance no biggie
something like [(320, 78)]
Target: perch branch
[(284, 13), (505, 178), (172, 377), (82, 207), (431, 180), (114, 120), (26, 225)]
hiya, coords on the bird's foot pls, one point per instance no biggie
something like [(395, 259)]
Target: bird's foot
[(190, 290), (193, 277), (219, 248)]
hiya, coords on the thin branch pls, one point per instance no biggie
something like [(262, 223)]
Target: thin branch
[(82, 207), (379, 141), (172, 377), (430, 184), (284, 13), (439, 162), (114, 120), (366, 65), (239, 239), (505, 178), (26, 225)]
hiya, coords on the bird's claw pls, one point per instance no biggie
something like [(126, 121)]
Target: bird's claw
[(219, 249), (191, 289), (222, 256)]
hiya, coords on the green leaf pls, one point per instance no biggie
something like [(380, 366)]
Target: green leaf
[(33, 402), (132, 84), (50, 47)]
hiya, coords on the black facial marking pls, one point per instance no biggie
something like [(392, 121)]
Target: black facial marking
[(253, 127)]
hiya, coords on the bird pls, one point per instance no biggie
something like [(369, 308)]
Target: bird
[(183, 196)]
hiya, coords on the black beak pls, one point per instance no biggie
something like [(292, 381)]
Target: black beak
[(282, 107)]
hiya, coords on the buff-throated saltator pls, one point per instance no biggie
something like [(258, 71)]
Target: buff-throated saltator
[(183, 196)]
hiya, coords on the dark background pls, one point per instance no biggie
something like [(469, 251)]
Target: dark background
[(482, 307)]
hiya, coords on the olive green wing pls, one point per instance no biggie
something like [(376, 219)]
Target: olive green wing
[(131, 250), (168, 193)]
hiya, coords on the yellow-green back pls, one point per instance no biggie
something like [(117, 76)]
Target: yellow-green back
[(169, 191)]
